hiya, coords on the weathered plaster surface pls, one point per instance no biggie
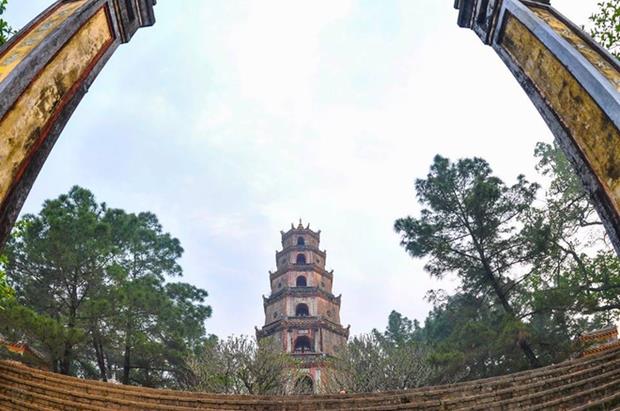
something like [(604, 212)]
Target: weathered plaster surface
[(591, 129), (592, 55), (13, 56), (23, 126)]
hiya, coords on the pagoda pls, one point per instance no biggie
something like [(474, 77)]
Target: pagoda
[(301, 313)]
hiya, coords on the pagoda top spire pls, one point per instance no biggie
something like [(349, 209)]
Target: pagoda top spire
[(300, 228)]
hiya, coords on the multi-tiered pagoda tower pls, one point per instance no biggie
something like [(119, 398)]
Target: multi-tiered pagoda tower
[(301, 313)]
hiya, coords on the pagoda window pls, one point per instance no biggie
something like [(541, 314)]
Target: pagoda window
[(301, 259), (302, 310), (301, 281), (303, 344), (301, 241)]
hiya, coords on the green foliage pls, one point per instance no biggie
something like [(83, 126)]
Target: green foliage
[(97, 280), (399, 331), (240, 365), (469, 337), (576, 271), (386, 361), (469, 226), (606, 28), (6, 292), (5, 30), (21, 323), (484, 232)]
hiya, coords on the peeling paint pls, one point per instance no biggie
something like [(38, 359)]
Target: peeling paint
[(594, 133), (22, 127), (592, 55), (15, 54)]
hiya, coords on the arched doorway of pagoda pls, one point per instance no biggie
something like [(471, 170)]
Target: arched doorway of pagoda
[(304, 385)]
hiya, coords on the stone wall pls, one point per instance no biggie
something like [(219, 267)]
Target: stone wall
[(587, 383)]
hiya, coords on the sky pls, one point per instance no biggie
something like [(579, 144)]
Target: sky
[(232, 119)]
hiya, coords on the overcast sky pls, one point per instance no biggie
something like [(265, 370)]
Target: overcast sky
[(231, 119)]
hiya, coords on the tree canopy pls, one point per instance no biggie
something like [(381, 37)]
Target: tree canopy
[(532, 275), (468, 226), (93, 290), (241, 365), (381, 361), (5, 30), (606, 28)]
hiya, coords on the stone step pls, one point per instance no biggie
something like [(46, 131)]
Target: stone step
[(519, 397), (459, 394), (537, 387), (13, 404), (467, 389), (560, 394), (43, 401), (79, 396), (605, 403), (581, 398), (581, 381)]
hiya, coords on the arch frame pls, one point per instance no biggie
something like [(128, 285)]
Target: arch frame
[(580, 71), (35, 48)]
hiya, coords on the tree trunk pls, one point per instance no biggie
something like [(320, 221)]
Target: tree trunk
[(65, 362), (503, 299), (529, 353), (100, 356), (67, 354), (126, 363)]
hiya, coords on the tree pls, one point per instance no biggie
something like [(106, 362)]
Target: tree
[(154, 323), (400, 329), (468, 337), (240, 365), (97, 279), (6, 292), (606, 28), (392, 360), (469, 226), (57, 263), (576, 271), (5, 30)]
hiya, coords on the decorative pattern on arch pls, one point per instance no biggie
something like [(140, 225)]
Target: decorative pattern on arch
[(45, 70), (573, 82)]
